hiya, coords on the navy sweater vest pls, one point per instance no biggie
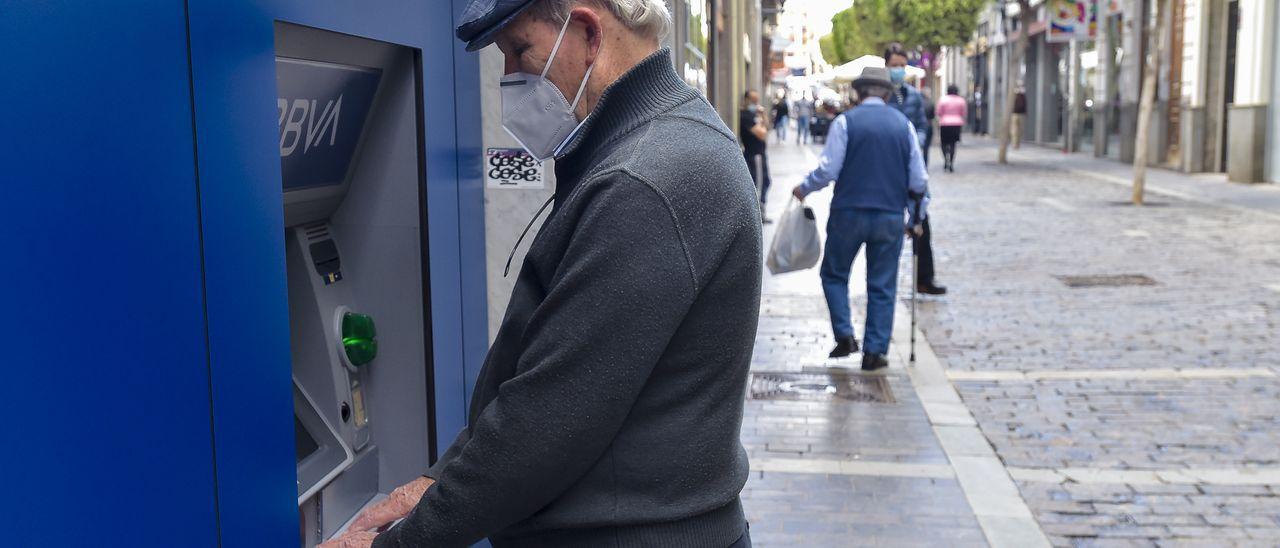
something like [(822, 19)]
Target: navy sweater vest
[(876, 161)]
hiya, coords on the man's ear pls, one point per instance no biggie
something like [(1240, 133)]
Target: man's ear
[(593, 31)]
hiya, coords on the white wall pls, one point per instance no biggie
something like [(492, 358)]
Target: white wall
[(506, 211), (1254, 52), (1131, 63), (1194, 33), (1273, 126)]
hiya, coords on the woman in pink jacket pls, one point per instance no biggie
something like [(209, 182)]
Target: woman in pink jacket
[(951, 111)]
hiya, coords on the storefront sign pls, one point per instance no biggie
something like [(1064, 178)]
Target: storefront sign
[(1072, 20)]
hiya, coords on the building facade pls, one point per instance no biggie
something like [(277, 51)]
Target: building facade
[(1216, 97)]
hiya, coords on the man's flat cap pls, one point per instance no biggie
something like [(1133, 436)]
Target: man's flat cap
[(482, 19)]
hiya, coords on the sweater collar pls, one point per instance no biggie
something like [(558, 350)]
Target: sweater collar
[(638, 96)]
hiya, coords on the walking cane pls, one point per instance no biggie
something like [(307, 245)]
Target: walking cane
[(915, 265), (915, 271)]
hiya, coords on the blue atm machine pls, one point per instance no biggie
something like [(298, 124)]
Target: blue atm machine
[(244, 261), (358, 313)]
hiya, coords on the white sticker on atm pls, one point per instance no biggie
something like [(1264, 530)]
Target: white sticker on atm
[(512, 168)]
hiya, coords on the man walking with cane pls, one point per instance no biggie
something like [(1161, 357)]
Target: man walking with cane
[(873, 155)]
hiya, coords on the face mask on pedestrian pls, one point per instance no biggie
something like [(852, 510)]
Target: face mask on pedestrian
[(534, 111), (898, 75)]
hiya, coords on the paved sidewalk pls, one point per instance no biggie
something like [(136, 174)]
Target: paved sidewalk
[(839, 472), (1133, 415)]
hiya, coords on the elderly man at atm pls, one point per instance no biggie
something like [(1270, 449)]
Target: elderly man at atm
[(609, 407)]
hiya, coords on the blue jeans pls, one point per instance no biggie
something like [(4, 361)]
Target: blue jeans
[(802, 130), (847, 231), (780, 126)]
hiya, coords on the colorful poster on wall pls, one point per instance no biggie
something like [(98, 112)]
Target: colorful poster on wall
[(1072, 20)]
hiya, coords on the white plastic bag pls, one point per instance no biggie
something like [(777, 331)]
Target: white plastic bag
[(795, 245)]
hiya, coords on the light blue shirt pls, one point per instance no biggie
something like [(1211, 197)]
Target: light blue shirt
[(832, 160)]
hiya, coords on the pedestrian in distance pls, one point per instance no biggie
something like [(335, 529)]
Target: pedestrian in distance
[(910, 103), (873, 155), (781, 116), (952, 109), (753, 133), (906, 98), (608, 409), (1019, 116), (804, 118), (979, 120)]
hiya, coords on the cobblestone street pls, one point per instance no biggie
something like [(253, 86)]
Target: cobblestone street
[(1118, 362)]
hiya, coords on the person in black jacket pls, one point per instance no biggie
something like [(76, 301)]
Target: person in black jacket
[(752, 131), (908, 100), (1019, 116), (781, 115)]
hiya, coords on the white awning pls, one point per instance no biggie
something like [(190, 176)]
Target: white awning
[(850, 71)]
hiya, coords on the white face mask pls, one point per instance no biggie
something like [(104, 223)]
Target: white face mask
[(534, 111)]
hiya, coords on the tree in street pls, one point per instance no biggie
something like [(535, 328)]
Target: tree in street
[(1155, 50), (867, 26), (1026, 17), (864, 28), (931, 24)]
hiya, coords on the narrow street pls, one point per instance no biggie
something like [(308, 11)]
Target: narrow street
[(1115, 368)]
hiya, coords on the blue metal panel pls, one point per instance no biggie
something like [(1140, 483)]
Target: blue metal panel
[(233, 76), (106, 408), (475, 287), (234, 82)]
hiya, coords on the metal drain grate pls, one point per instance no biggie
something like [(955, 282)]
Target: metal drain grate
[(1114, 280), (788, 386), (1129, 203)]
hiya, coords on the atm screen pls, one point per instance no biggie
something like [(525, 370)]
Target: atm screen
[(321, 110), (306, 445)]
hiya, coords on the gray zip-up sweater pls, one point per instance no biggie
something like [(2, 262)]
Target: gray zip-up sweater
[(608, 410)]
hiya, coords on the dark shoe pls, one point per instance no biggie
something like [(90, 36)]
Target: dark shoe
[(872, 362), (844, 347), (931, 289), (766, 220)]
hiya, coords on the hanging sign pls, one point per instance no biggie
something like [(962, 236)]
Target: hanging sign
[(1072, 20)]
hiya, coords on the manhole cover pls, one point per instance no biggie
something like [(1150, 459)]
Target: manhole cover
[(1113, 280), (821, 386)]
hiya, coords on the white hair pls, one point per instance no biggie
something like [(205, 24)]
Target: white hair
[(648, 18)]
